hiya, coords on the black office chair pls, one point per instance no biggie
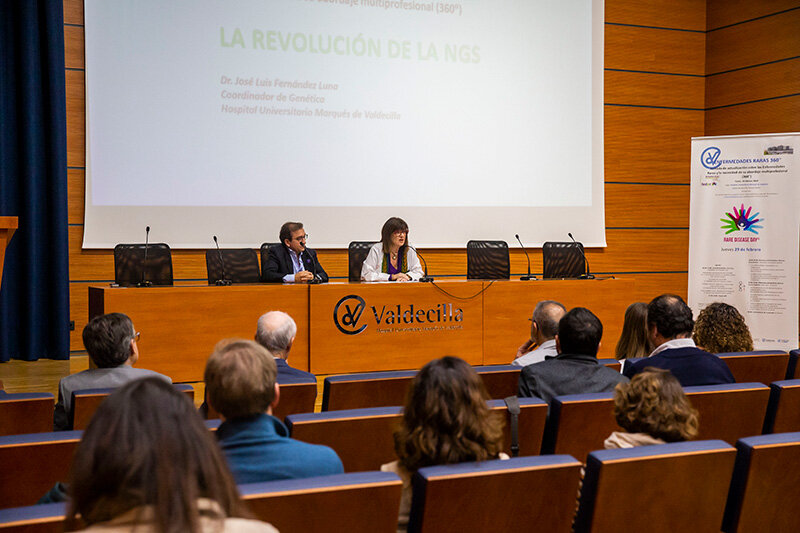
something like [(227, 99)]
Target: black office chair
[(357, 252), (563, 260), (488, 260), (265, 255), (129, 260), (240, 265)]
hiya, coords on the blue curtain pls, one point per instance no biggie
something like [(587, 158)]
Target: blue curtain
[(34, 299)]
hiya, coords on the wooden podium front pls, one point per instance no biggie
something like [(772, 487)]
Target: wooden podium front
[(393, 326), (7, 227)]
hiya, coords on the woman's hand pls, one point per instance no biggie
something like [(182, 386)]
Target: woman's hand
[(400, 276)]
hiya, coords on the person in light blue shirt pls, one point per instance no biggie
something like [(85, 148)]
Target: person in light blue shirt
[(241, 385), (544, 327)]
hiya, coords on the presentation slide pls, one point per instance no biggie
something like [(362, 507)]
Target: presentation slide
[(470, 119)]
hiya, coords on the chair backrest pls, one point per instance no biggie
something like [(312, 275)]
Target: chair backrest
[(366, 501), (295, 398), (26, 413), (579, 423), (681, 486), (793, 371), (783, 409), (530, 424), (369, 389), (33, 463), (518, 494), (264, 253), (763, 493), (241, 265), (500, 381), (45, 518), (86, 401), (611, 363), (129, 260), (731, 411), (357, 252), (762, 366), (488, 260), (562, 260)]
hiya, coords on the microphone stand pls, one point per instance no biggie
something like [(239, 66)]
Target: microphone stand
[(224, 281), (144, 282), (586, 274), (529, 276), (315, 280), (426, 278)]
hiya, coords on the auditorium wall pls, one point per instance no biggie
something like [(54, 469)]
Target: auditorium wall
[(666, 79)]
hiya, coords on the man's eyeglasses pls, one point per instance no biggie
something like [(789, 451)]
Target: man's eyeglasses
[(136, 336)]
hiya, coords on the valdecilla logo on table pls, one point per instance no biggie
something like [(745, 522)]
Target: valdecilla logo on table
[(349, 317)]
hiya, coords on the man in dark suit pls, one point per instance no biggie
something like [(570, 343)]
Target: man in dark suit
[(276, 332), (291, 261), (575, 370), (670, 325)]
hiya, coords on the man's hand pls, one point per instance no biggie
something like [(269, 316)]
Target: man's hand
[(525, 348), (303, 275), (400, 277)]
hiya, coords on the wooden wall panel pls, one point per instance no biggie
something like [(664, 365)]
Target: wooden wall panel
[(73, 47), (654, 50), (660, 90), (648, 286), (76, 126), (637, 205), (73, 12), (75, 192), (684, 14), (771, 116), (642, 250), (725, 12), (649, 145), (756, 83), (753, 43)]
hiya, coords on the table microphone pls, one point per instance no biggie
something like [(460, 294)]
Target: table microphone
[(586, 275), (529, 276), (426, 278), (316, 278), (224, 280), (144, 282)]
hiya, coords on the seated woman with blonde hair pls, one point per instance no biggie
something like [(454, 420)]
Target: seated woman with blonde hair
[(652, 409), (147, 463), (445, 420)]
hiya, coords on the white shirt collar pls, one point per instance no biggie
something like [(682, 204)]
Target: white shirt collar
[(674, 343)]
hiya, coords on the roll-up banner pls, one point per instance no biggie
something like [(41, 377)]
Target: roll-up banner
[(743, 231)]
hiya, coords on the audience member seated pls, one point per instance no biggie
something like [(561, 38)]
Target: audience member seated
[(240, 385), (544, 326), (112, 345), (276, 332), (392, 259), (575, 370), (670, 324), (147, 463), (652, 409), (720, 328), (445, 420), (634, 341)]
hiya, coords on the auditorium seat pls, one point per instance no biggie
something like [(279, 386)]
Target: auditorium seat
[(763, 492), (366, 501), (363, 438), (729, 412), (37, 461), (26, 413), (86, 401), (762, 366), (518, 494), (793, 370), (47, 518), (611, 363), (579, 423), (295, 398), (662, 488), (783, 409), (383, 389)]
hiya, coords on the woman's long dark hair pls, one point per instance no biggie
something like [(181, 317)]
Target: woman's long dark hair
[(390, 226), (446, 419), (147, 446)]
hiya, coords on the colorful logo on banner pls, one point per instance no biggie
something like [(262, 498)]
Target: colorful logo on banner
[(741, 220), (710, 157)]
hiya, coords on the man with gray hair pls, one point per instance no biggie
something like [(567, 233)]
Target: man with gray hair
[(544, 326), (276, 332)]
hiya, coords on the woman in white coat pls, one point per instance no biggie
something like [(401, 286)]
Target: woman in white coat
[(392, 259)]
